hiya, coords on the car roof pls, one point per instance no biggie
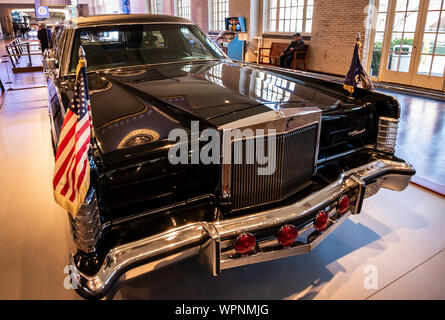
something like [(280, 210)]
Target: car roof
[(108, 19)]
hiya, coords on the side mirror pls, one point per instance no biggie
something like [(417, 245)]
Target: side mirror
[(48, 64)]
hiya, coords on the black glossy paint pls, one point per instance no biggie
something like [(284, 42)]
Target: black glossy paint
[(164, 97), (167, 97), (138, 183)]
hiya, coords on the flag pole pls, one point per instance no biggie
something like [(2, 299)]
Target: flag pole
[(358, 41), (83, 62), (356, 74), (358, 37), (70, 193), (82, 52)]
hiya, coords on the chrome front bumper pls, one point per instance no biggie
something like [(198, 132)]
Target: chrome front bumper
[(211, 242)]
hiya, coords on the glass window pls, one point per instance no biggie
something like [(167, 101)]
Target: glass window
[(382, 6), (413, 5), (401, 5), (424, 64), (156, 7), (438, 66), (434, 4), (411, 22), (220, 11), (432, 21), (440, 44), (184, 9), (381, 21), (127, 45), (433, 45), (376, 54), (290, 16), (428, 43)]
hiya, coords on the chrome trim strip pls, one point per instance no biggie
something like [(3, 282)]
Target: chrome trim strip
[(86, 226), (104, 24), (336, 156), (172, 206), (361, 193), (317, 147), (150, 65), (120, 259), (192, 240), (65, 58), (277, 119)]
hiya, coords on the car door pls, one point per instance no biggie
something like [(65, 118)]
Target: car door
[(56, 108)]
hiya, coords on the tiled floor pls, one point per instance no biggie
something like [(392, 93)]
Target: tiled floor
[(398, 237), (420, 283), (34, 234), (394, 233), (19, 80), (421, 138)]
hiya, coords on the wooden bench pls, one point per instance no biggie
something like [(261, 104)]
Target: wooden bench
[(274, 55)]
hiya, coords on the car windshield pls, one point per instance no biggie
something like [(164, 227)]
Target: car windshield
[(129, 45)]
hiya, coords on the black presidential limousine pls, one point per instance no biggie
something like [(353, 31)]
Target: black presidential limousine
[(151, 75)]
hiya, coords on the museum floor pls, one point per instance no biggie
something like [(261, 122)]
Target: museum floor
[(398, 234)]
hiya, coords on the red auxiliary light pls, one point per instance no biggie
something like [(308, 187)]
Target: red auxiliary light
[(343, 204), (245, 243), (287, 235), (321, 220)]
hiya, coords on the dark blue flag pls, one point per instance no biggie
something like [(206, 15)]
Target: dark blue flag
[(357, 73)]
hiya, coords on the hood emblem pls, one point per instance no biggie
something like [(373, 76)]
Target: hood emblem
[(138, 137), (280, 114), (356, 132)]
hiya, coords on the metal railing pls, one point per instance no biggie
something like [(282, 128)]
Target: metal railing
[(18, 48)]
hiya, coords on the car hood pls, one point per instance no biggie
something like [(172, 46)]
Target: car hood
[(141, 105)]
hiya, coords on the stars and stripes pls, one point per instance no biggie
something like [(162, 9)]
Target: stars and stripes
[(71, 178)]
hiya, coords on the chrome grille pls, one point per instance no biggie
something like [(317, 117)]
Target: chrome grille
[(387, 135), (295, 152), (85, 226)]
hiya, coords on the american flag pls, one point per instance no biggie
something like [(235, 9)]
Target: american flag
[(72, 170)]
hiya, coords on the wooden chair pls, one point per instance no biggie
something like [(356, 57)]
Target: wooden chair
[(300, 56), (275, 53)]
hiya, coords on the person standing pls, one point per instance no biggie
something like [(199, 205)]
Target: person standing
[(44, 35), (16, 28), (287, 55)]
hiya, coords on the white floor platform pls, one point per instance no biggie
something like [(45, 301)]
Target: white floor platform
[(399, 237)]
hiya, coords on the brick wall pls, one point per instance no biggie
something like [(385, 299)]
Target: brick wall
[(240, 8), (334, 28), (168, 7), (200, 13)]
